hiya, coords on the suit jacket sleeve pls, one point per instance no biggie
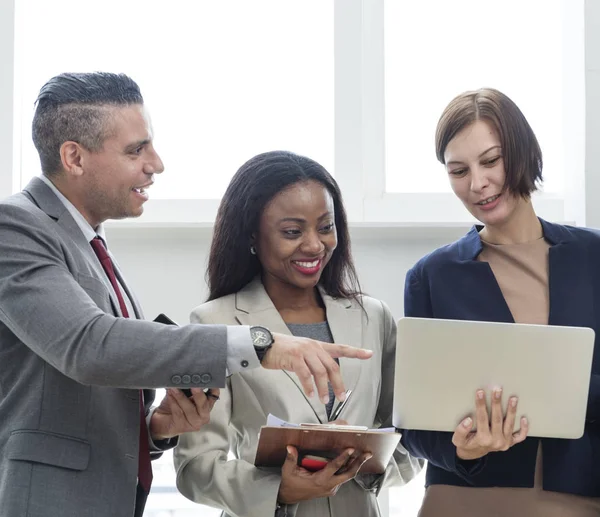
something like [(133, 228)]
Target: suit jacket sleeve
[(39, 283), (434, 446), (402, 467), (206, 475)]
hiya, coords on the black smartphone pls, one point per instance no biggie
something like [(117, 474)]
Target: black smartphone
[(163, 318)]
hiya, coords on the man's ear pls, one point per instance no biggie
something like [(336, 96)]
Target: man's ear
[(72, 157)]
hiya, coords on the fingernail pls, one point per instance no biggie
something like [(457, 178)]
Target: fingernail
[(369, 456), (350, 452), (467, 422), (289, 451), (513, 401), (311, 394), (325, 399), (524, 421), (341, 396), (480, 394), (498, 393)]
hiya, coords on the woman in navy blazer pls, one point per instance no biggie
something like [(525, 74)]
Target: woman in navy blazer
[(494, 162)]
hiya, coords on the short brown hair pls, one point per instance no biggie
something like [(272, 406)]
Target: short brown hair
[(520, 149)]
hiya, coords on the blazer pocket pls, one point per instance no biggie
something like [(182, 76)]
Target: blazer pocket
[(48, 448)]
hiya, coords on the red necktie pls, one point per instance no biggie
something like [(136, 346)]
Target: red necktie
[(144, 465)]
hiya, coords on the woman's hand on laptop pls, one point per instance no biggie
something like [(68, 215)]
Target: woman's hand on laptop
[(495, 434)]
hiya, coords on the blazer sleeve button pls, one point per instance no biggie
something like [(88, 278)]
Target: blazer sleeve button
[(186, 379), (176, 379), (206, 378)]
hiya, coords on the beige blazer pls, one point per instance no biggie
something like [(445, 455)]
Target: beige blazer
[(207, 475)]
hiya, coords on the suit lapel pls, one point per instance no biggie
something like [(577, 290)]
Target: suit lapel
[(137, 309), (47, 201), (71, 227), (254, 307), (346, 325), (571, 293), (480, 293)]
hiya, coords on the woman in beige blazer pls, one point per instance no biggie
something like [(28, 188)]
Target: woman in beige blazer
[(280, 258)]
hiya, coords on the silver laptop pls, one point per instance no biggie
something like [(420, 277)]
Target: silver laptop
[(441, 363)]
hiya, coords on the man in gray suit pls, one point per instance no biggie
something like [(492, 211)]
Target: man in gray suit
[(78, 363)]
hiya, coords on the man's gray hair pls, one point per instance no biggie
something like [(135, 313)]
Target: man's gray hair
[(76, 107)]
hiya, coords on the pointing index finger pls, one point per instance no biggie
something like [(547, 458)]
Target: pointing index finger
[(351, 352)]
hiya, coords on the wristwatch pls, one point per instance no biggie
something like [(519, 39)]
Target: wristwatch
[(262, 339)]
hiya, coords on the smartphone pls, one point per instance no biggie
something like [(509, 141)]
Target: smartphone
[(313, 463)]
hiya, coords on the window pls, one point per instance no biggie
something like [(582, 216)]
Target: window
[(435, 49), (223, 80), (355, 84)]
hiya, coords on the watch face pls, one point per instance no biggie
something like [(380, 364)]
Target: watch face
[(260, 337)]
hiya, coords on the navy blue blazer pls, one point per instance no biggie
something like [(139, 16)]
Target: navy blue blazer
[(450, 283)]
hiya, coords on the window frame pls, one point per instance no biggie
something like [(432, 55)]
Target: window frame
[(359, 120)]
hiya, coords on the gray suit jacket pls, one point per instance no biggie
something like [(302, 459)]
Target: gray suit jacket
[(71, 369), (204, 473)]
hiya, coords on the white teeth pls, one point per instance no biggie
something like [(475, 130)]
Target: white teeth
[(307, 264), (489, 200), (139, 190)]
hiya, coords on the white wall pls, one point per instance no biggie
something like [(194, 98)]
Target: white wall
[(166, 267)]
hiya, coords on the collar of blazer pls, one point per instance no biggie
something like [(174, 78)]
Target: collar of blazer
[(570, 263), (47, 201), (470, 245), (345, 318)]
